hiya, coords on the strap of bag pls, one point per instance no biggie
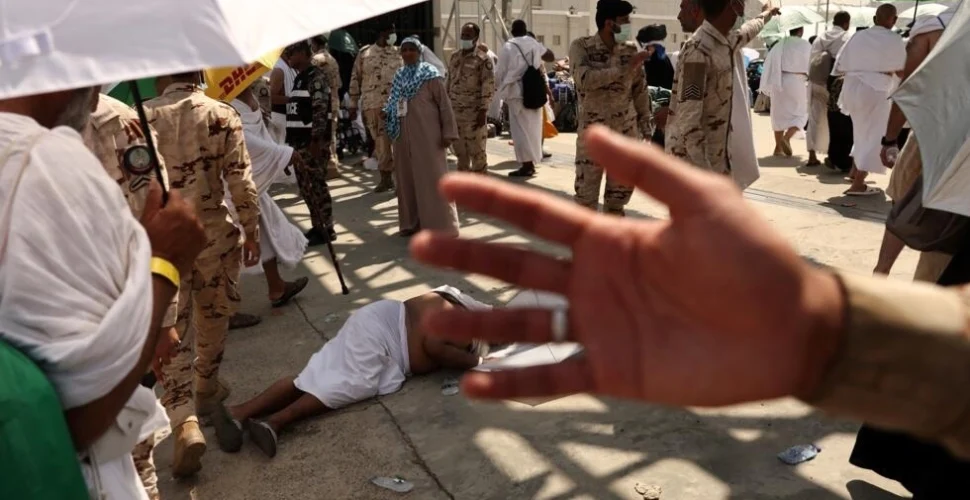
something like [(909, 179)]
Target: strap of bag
[(526, 59), (7, 153)]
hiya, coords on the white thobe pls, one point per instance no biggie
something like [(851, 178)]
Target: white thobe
[(525, 125), (279, 238), (868, 62), (785, 80), (75, 286)]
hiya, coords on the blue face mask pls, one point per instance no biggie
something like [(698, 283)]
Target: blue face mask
[(660, 52)]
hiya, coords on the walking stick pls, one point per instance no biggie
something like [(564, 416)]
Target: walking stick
[(336, 265)]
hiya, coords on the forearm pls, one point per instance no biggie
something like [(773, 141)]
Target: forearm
[(593, 79), (89, 422), (901, 361)]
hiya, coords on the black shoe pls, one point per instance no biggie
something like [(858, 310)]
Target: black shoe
[(332, 234), (523, 172), (315, 237), (546, 155)]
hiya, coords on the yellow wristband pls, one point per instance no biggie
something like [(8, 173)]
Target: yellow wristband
[(167, 270)]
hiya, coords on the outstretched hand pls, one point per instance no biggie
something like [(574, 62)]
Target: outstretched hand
[(711, 307)]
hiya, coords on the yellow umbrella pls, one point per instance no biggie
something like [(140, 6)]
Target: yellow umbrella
[(225, 84)]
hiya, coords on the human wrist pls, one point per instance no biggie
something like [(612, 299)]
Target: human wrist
[(890, 140), (823, 317)]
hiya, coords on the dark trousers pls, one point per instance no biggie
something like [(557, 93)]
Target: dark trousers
[(840, 141)]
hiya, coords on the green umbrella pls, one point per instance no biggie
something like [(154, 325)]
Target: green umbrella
[(122, 91)]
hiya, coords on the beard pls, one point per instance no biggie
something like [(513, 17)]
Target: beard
[(78, 110)]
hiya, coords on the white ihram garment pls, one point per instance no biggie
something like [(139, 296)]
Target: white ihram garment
[(865, 61), (75, 286), (525, 125), (817, 138), (369, 355), (785, 80), (278, 237)]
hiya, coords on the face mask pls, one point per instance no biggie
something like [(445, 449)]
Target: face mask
[(466, 44), (623, 35), (392, 39)]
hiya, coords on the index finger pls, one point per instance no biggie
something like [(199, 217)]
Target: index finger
[(544, 215)]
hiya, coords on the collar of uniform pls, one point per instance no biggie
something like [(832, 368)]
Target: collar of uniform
[(103, 113), (712, 32), (182, 87)]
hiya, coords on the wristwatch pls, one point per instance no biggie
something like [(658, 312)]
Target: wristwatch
[(889, 142)]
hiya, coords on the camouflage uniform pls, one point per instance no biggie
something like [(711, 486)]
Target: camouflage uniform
[(202, 141), (326, 62), (612, 94), (112, 135), (371, 81), (471, 86), (700, 105), (311, 122)]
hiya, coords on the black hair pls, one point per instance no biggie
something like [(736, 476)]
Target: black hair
[(299, 47), (319, 40), (713, 8), (796, 31), (611, 9), (475, 28), (842, 17), (812, 39), (519, 28)]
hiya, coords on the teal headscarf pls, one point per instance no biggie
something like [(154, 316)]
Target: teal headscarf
[(407, 82)]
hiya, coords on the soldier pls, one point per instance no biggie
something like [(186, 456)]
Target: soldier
[(115, 136), (309, 129), (608, 71), (700, 105), (202, 142), (326, 62), (471, 86), (370, 82)]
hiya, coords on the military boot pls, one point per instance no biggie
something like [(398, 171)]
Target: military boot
[(189, 448), (208, 395), (386, 184)]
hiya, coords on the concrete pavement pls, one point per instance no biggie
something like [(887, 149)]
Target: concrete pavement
[(576, 447)]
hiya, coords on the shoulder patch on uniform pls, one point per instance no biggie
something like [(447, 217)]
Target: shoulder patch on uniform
[(694, 81), (138, 160)]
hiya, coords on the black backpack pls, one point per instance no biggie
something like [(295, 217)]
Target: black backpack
[(533, 85)]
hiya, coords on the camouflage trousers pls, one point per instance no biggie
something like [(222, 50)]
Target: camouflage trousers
[(312, 179), (470, 146), (145, 464), (589, 177), (382, 143), (208, 297)]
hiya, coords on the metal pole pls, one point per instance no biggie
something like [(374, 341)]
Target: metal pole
[(458, 22)]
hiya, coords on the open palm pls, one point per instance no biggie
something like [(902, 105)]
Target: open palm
[(710, 307)]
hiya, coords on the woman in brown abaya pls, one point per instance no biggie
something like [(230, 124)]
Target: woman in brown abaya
[(421, 123)]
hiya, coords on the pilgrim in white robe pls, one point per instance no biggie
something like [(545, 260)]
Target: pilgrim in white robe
[(279, 238), (869, 62), (830, 42), (369, 356), (744, 158), (76, 287), (525, 125), (785, 80)]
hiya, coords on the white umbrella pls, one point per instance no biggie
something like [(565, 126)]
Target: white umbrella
[(923, 9), (54, 45), (937, 104), (795, 16)]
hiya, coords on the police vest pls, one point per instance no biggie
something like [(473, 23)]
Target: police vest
[(299, 111)]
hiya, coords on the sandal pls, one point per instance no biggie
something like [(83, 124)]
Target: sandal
[(263, 436), (291, 290), (241, 320), (870, 191), (229, 432), (786, 147)]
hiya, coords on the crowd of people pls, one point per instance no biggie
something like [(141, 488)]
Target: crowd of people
[(149, 283)]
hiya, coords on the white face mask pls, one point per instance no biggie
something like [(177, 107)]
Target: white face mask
[(392, 39), (466, 44)]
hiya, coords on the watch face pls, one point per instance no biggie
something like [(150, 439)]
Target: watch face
[(138, 160)]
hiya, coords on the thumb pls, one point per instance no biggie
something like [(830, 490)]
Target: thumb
[(153, 202)]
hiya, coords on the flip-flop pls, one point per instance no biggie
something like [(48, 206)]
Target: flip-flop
[(291, 290), (241, 320), (229, 432), (263, 436), (813, 163), (870, 191)]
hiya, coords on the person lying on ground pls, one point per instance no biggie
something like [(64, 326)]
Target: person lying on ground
[(378, 347)]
